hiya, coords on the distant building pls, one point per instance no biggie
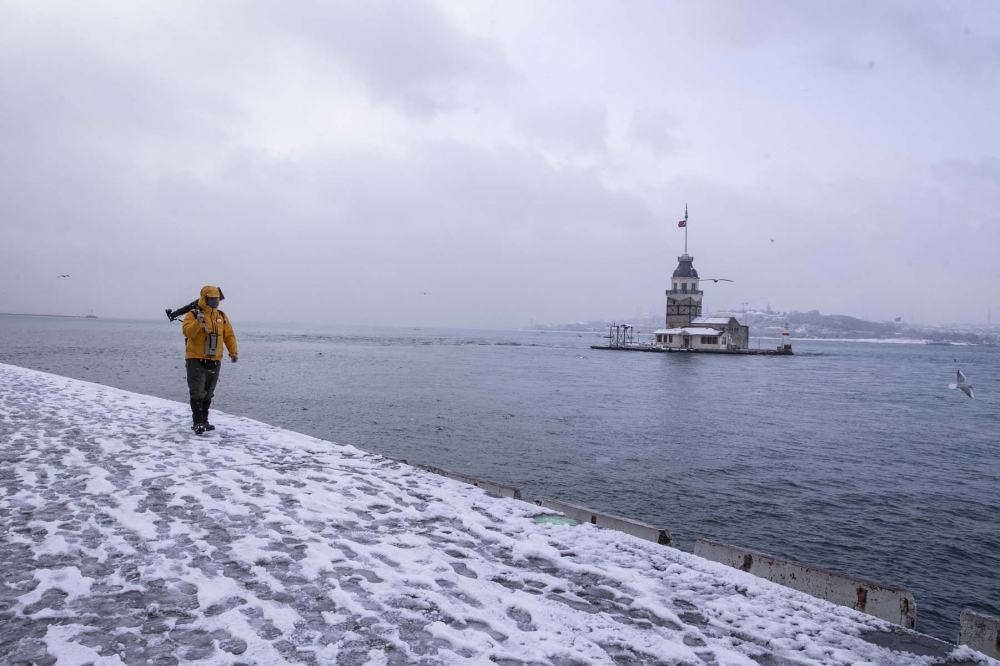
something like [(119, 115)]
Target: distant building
[(686, 328)]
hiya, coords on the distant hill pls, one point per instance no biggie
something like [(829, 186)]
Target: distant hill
[(804, 325), (814, 324)]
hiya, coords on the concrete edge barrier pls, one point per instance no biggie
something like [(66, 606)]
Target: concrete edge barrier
[(980, 632), (660, 535), (885, 602), (488, 486)]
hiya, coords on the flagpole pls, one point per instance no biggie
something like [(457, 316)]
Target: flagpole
[(685, 229)]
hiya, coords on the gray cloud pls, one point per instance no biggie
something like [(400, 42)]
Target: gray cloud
[(571, 123), (982, 172), (654, 128), (336, 159), (842, 56), (947, 37), (407, 53)]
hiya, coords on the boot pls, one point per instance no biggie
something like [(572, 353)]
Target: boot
[(204, 414), (198, 424)]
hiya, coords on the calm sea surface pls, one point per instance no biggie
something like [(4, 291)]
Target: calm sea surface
[(850, 456)]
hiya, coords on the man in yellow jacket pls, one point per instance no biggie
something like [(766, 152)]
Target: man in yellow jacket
[(206, 329)]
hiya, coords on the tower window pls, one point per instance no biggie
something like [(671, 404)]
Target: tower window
[(684, 286)]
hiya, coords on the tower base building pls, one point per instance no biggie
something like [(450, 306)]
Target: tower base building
[(685, 326)]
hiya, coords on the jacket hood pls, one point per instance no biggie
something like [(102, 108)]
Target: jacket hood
[(208, 291)]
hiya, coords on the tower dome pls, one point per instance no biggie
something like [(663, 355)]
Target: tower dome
[(685, 267)]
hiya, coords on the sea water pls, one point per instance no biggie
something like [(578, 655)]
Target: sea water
[(854, 457)]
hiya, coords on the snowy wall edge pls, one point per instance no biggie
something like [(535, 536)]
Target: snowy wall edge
[(885, 602), (659, 535), (489, 486), (980, 632)]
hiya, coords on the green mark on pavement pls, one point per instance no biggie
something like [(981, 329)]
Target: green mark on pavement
[(555, 520)]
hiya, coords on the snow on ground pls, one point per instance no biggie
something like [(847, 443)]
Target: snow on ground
[(129, 540)]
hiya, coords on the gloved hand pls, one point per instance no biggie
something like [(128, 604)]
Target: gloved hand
[(235, 358), (200, 315)]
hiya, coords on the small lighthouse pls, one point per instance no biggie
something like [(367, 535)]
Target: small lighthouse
[(786, 341)]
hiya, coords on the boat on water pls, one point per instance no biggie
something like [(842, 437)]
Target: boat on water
[(91, 315)]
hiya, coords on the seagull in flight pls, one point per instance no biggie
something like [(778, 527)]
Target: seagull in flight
[(425, 293), (717, 279), (963, 385), (62, 276)]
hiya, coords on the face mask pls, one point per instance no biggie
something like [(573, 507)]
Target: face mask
[(212, 302)]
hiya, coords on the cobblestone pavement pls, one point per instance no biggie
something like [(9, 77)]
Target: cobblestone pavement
[(128, 540)]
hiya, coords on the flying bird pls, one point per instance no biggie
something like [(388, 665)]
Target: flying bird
[(963, 385), (718, 279), (62, 276), (425, 293), (771, 239)]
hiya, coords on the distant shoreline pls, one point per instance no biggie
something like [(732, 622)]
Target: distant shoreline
[(896, 341), (27, 314)]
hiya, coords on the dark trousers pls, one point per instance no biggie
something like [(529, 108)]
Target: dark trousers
[(202, 376)]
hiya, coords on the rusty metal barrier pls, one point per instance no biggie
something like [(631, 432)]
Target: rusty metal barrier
[(980, 632), (883, 601)]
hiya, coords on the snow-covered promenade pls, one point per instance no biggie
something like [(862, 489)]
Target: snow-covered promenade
[(128, 539)]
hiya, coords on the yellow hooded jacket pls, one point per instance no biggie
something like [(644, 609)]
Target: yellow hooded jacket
[(216, 321)]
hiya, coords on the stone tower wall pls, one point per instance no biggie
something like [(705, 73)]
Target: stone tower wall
[(682, 308)]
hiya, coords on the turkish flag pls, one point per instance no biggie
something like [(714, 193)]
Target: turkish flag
[(682, 223)]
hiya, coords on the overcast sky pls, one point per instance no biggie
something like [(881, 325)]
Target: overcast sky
[(330, 161)]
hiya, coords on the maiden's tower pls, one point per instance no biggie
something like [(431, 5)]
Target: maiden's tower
[(685, 326)]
